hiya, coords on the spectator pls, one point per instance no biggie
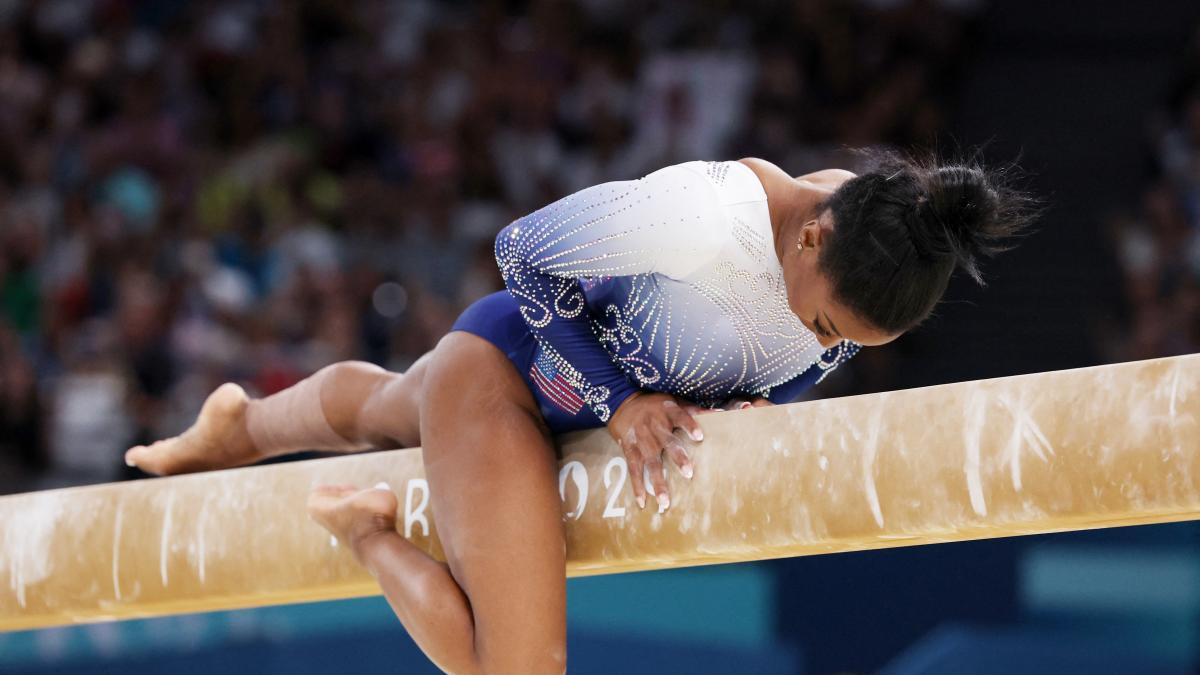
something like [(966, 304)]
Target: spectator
[(195, 192)]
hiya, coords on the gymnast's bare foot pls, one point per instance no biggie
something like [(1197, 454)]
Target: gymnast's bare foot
[(351, 514), (218, 439)]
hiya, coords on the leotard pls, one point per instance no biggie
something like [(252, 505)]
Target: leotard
[(667, 283)]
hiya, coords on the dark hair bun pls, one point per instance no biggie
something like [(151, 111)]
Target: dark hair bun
[(960, 209), (904, 224), (959, 212)]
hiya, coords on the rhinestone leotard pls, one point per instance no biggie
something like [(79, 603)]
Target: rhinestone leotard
[(669, 283)]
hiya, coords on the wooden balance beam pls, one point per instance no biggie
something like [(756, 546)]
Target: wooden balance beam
[(1095, 447)]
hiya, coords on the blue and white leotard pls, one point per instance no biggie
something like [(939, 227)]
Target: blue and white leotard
[(668, 283)]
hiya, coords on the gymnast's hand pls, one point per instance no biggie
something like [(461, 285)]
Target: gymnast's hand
[(643, 426), (741, 403)]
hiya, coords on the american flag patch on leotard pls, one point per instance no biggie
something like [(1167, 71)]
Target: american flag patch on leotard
[(545, 374)]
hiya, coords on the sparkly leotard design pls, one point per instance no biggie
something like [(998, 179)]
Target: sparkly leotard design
[(669, 283)]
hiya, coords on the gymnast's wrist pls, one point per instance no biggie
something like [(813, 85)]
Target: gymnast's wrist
[(622, 406)]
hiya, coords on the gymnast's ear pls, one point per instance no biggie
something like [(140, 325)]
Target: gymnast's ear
[(815, 232)]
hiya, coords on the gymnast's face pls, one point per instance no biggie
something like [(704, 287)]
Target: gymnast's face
[(810, 291)]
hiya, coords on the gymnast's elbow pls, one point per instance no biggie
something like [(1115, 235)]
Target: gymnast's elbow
[(510, 249)]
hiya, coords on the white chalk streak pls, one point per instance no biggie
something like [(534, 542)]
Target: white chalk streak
[(1014, 454), (1174, 388), (976, 414), (116, 555), (201, 550), (165, 540), (870, 449)]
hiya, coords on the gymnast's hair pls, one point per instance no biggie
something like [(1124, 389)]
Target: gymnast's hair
[(906, 223)]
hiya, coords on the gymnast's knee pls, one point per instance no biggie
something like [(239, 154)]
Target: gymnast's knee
[(347, 380), (349, 371)]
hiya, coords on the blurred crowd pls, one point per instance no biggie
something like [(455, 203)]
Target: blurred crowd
[(1157, 241), (195, 192)]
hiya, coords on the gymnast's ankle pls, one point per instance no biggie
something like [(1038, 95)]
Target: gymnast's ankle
[(369, 534)]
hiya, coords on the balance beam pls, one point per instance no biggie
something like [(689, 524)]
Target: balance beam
[(1095, 447)]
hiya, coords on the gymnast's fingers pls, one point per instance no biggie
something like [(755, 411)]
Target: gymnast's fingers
[(734, 403), (675, 450), (760, 402), (681, 418), (664, 443), (658, 478), (633, 457)]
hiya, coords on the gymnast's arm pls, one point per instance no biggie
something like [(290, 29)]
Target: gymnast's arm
[(669, 222), (792, 389)]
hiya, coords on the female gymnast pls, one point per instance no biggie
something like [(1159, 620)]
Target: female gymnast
[(633, 305)]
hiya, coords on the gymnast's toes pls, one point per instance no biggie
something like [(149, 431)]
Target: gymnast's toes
[(157, 458), (217, 440), (353, 515)]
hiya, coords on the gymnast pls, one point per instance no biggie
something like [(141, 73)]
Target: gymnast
[(634, 305)]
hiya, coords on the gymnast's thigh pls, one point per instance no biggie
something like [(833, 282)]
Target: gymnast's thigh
[(491, 467)]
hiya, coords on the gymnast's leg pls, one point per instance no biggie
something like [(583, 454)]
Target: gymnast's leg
[(499, 606), (347, 406), (487, 452)]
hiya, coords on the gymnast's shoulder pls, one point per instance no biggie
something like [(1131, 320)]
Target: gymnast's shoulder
[(769, 172), (774, 178)]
